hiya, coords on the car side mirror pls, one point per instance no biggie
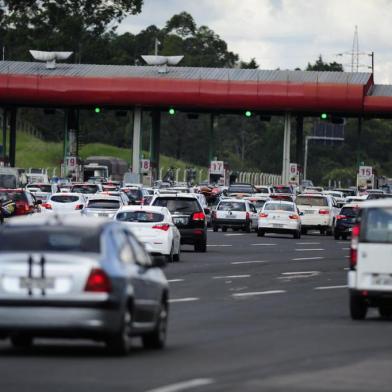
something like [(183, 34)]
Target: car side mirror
[(158, 261), (38, 202), (301, 214)]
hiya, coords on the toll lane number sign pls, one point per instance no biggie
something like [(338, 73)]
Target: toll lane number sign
[(365, 171), (217, 167)]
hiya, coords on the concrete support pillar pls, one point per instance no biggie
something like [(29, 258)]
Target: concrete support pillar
[(155, 143), (5, 122), (286, 148), (359, 129), (12, 153), (211, 139), (300, 141), (137, 128)]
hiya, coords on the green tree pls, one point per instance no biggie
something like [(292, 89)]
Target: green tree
[(182, 24), (252, 64), (320, 65)]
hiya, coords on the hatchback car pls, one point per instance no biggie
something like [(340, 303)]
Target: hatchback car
[(345, 221), (189, 217), (280, 217), (234, 214), (75, 277), (154, 227), (67, 203), (104, 206), (370, 275)]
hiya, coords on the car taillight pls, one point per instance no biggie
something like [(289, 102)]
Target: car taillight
[(339, 217), (98, 282), (247, 216), (198, 216), (324, 212), (263, 215), (295, 216), (164, 227), (79, 207), (354, 246), (47, 206)]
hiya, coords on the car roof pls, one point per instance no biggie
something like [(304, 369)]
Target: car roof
[(101, 196), (272, 201), (144, 208), (378, 203), (234, 200), (179, 194), (67, 194)]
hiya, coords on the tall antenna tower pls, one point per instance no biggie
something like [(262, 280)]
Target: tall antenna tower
[(355, 52)]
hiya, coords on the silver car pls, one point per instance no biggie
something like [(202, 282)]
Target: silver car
[(103, 206), (76, 277)]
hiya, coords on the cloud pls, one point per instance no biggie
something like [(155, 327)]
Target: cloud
[(287, 33)]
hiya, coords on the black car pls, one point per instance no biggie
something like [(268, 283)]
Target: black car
[(345, 221), (189, 217)]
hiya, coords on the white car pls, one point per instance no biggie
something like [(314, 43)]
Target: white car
[(68, 203), (236, 214), (154, 227), (102, 205), (338, 196), (258, 201), (318, 212), (370, 275), (280, 217)]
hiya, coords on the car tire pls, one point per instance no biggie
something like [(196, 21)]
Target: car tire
[(248, 227), (322, 231), (358, 307), (201, 246), (304, 231), (224, 229), (385, 311), (119, 344), (337, 236), (170, 257), (177, 257), (215, 228), (21, 341), (344, 236), (329, 231), (297, 235), (156, 339), (260, 233), (235, 228)]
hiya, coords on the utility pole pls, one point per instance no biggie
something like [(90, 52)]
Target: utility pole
[(355, 52), (157, 43)]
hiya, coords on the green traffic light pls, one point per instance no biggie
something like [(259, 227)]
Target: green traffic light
[(97, 110), (172, 111), (248, 113), (324, 116)]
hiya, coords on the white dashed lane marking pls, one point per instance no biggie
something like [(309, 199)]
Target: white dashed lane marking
[(255, 293), (231, 277), (175, 280), (222, 246), (301, 273), (307, 258), (307, 243), (263, 244), (233, 234), (309, 250), (190, 299), (249, 262), (330, 287), (184, 385)]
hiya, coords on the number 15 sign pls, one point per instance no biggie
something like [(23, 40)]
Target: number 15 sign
[(365, 171)]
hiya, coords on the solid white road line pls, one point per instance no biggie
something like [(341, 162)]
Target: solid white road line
[(185, 385), (175, 280), (231, 277), (307, 243), (330, 287), (190, 299), (219, 245), (263, 244), (250, 294), (308, 250), (307, 258), (248, 262)]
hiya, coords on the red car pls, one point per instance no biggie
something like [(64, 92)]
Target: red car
[(25, 202)]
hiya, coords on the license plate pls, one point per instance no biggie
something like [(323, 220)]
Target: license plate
[(180, 221), (103, 214), (36, 283), (277, 225), (309, 212), (382, 280), (229, 216)]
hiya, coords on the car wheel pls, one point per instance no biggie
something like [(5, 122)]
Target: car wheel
[(260, 233), (157, 339), (329, 231), (170, 257), (297, 234), (119, 343), (304, 231), (21, 341), (358, 308), (201, 246), (385, 311), (177, 256), (215, 228), (248, 227), (344, 236), (337, 236), (322, 231), (235, 228), (224, 229)]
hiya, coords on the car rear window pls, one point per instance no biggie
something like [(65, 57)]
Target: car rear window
[(177, 205), (139, 216), (134, 194), (44, 187), (262, 190), (377, 226), (231, 206), (278, 207), (282, 189), (86, 189), (240, 189), (14, 196), (64, 198), (258, 203), (350, 212), (104, 204), (56, 239), (311, 201)]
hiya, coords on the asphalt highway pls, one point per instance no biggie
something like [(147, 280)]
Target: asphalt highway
[(252, 314)]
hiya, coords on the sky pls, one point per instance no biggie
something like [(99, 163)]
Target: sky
[(287, 34)]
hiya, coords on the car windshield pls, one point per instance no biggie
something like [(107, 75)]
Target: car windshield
[(311, 201), (65, 198), (42, 187), (49, 238), (14, 196), (279, 207), (86, 189), (377, 226), (104, 204), (139, 216), (178, 205), (350, 212), (258, 203), (232, 206)]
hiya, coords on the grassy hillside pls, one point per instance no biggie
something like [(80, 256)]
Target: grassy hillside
[(34, 152)]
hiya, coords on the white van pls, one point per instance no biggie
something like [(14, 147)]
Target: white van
[(370, 275)]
